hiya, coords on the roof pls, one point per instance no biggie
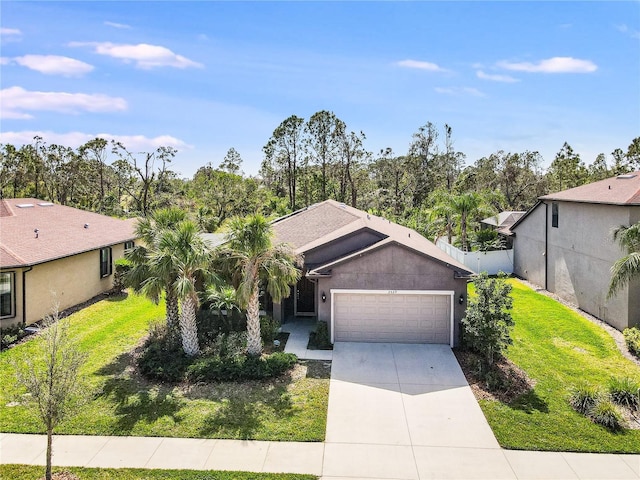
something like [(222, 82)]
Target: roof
[(620, 190), (503, 219), (327, 221), (61, 231)]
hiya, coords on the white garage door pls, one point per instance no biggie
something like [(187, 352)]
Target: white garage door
[(402, 316)]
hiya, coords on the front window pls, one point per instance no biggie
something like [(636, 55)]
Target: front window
[(7, 295), (554, 215), (105, 262), (129, 245)]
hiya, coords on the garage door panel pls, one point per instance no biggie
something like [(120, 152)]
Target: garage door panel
[(379, 317)]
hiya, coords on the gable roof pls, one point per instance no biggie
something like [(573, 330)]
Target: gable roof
[(328, 221), (503, 219), (620, 190), (61, 231)]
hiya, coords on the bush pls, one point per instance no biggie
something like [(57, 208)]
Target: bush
[(163, 358), (228, 345), (207, 369), (319, 338), (269, 329), (11, 335), (122, 268), (624, 391), (584, 397), (605, 413), (632, 339)]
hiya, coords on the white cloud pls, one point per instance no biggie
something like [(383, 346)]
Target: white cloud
[(17, 102), (75, 139), (459, 91), (54, 65), (5, 60), (420, 65), (629, 31), (143, 55), (496, 77), (552, 65), (10, 32), (122, 26)]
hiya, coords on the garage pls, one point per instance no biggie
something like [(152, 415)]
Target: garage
[(401, 316)]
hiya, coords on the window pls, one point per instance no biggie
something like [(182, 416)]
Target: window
[(554, 215), (129, 245), (105, 262), (7, 295)]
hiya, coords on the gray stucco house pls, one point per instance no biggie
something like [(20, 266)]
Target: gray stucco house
[(564, 244), (370, 279)]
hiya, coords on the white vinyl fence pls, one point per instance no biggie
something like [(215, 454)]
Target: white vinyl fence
[(491, 262)]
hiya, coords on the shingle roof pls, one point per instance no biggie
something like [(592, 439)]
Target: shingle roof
[(324, 222), (504, 219), (620, 190), (61, 231)]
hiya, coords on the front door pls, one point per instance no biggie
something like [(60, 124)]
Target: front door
[(305, 298)]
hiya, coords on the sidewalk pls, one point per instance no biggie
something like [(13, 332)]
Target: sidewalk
[(316, 458)]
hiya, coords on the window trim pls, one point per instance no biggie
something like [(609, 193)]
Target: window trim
[(554, 214), (129, 244), (12, 294), (106, 267)]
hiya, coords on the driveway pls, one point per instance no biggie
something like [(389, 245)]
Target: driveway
[(395, 409)]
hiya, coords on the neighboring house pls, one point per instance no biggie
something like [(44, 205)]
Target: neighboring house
[(52, 254), (564, 244), (370, 279), (502, 224)]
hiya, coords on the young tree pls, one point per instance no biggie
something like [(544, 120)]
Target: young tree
[(628, 267), (232, 162), (252, 260), (52, 376), (488, 323)]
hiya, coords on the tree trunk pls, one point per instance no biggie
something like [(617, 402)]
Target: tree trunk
[(254, 341), (188, 327), (49, 453), (172, 309)]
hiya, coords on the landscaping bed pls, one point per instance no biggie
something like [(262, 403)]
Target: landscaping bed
[(554, 349), (121, 401)]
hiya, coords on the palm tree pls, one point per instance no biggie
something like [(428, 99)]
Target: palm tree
[(441, 214), (628, 267), (150, 278), (467, 207), (252, 260), (223, 298), (184, 253)]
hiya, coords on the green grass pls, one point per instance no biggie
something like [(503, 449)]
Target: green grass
[(558, 349), (123, 403), (31, 472)]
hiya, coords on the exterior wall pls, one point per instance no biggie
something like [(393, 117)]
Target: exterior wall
[(68, 281), (341, 247), (580, 254), (393, 268), (529, 247)]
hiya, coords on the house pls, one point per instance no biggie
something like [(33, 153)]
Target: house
[(52, 254), (502, 224), (370, 279), (564, 244)]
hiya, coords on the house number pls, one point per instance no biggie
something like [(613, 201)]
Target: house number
[(393, 291)]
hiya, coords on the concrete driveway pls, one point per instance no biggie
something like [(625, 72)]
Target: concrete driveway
[(402, 411)]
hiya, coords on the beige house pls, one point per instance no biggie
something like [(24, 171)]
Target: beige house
[(564, 244), (55, 255), (370, 279)]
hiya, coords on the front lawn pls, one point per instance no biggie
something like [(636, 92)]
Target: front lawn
[(29, 472), (557, 348), (121, 402)]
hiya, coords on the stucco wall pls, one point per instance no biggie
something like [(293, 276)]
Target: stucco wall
[(392, 268), (68, 281), (580, 254)]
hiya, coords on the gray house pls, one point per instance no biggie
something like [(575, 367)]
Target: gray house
[(564, 244), (370, 279)]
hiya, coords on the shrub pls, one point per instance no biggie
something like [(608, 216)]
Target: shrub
[(632, 339), (162, 357), (624, 391), (584, 397), (319, 338), (228, 345), (207, 369), (11, 335), (123, 266), (269, 329), (605, 413)]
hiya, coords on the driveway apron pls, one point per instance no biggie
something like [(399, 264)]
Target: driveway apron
[(393, 408)]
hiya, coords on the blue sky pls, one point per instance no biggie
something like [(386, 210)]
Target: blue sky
[(206, 76)]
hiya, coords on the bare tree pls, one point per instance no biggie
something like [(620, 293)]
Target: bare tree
[(51, 376)]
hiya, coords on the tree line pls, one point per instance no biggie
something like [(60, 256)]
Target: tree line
[(305, 161)]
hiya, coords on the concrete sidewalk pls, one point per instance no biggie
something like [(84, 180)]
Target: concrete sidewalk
[(385, 462)]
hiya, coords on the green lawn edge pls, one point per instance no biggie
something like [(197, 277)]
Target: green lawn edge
[(121, 405), (31, 472), (557, 348)]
